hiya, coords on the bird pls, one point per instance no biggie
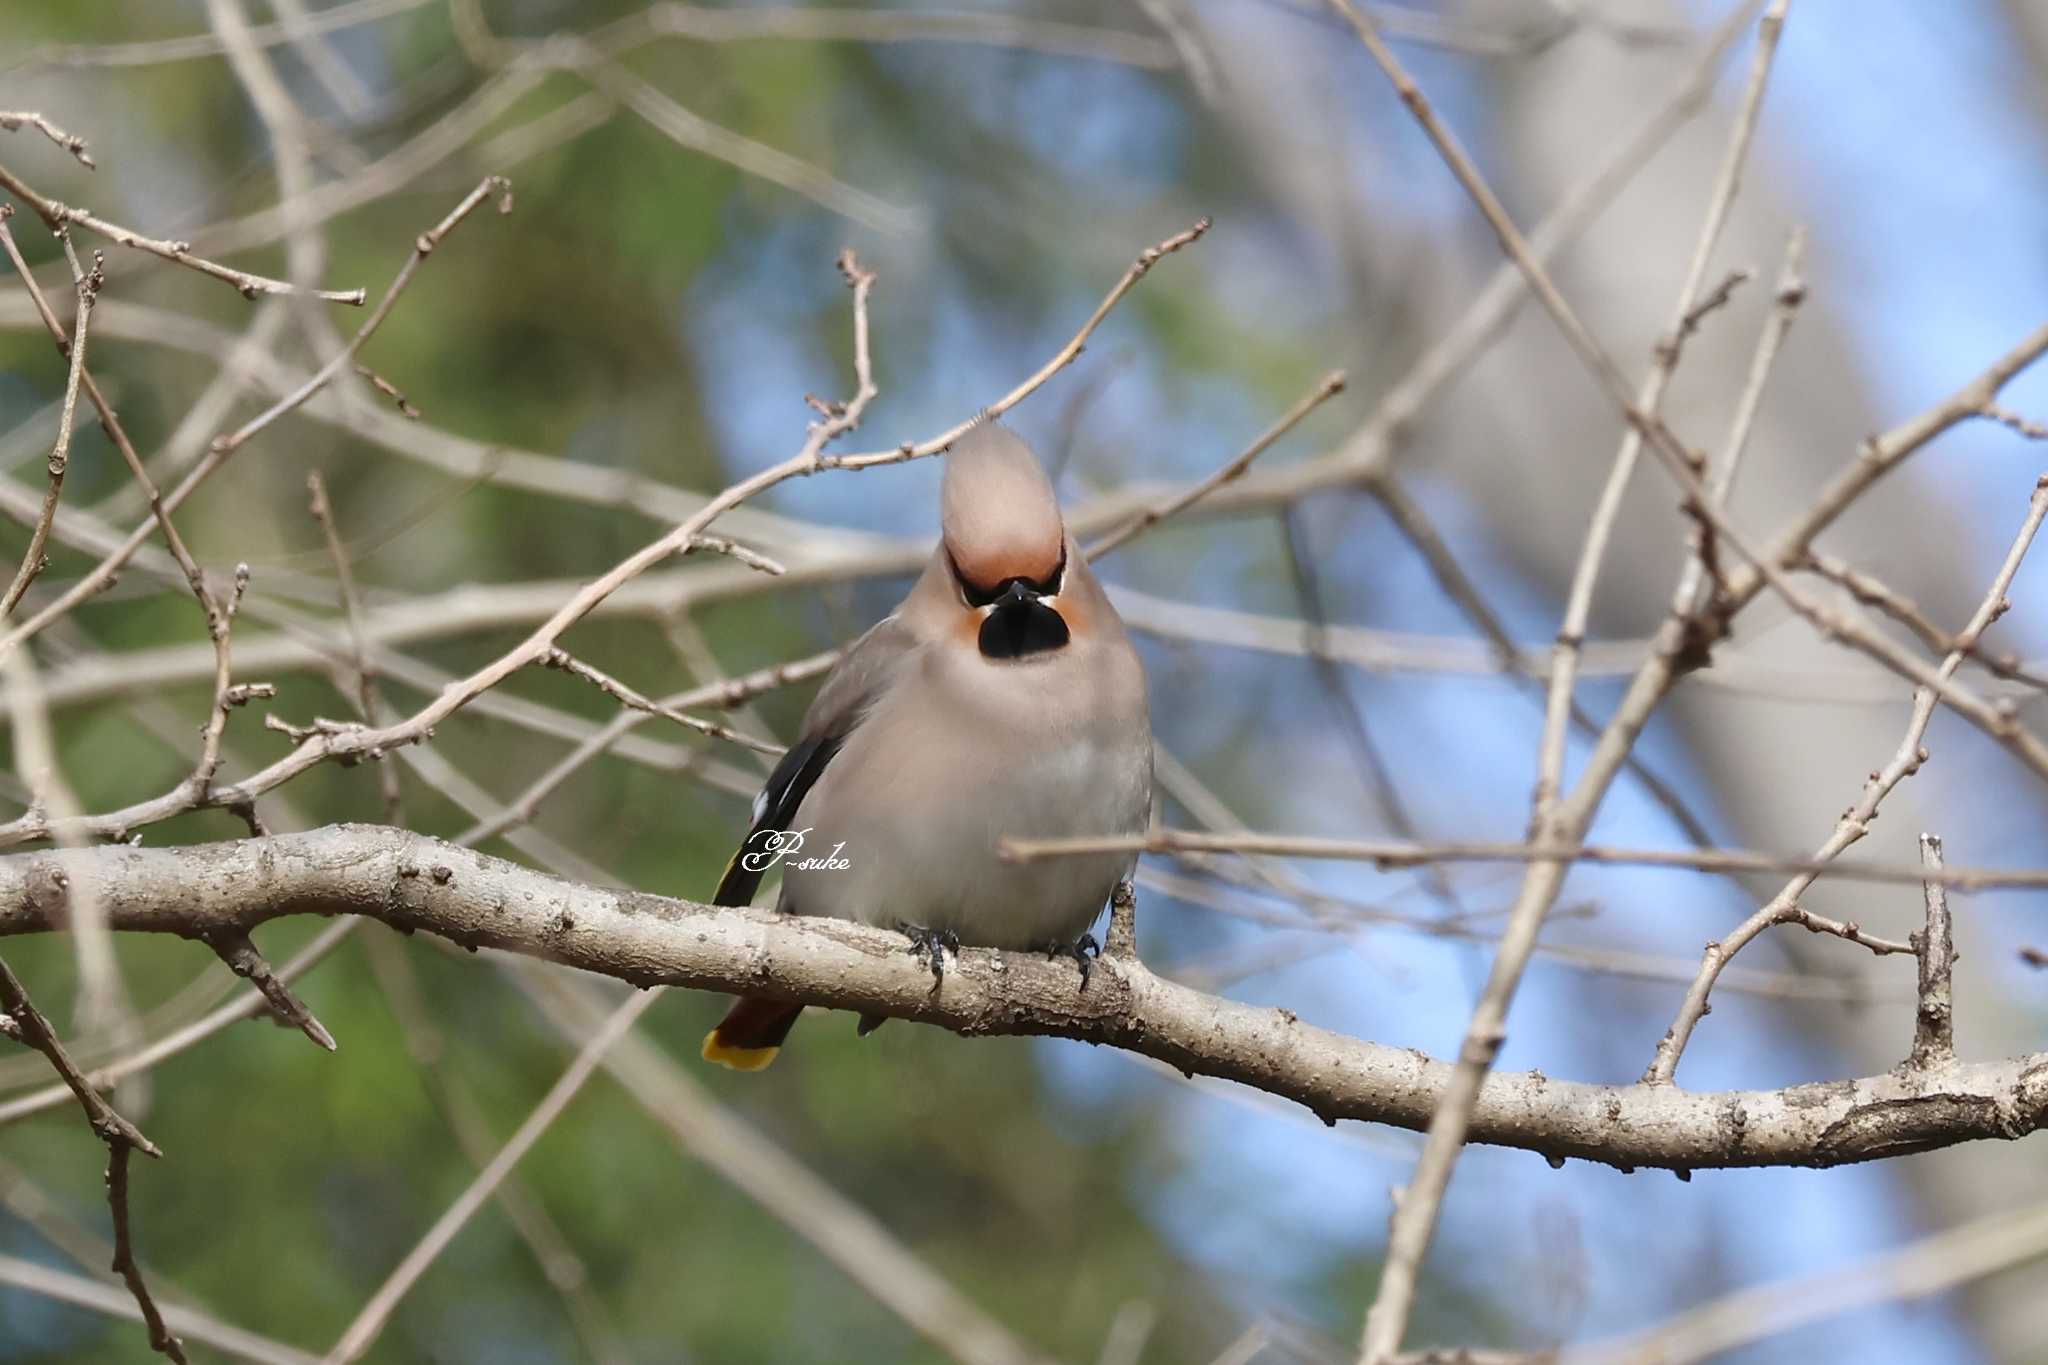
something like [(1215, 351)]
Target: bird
[(1001, 698)]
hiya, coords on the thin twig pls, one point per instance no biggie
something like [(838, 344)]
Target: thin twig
[(2033, 431), (1872, 591), (1955, 1256), (1328, 387), (1510, 659), (34, 1031), (369, 704), (1701, 576), (720, 24), (58, 216), (1414, 1219), (401, 166), (1720, 296), (564, 661), (246, 1006), (423, 247), (121, 1138), (1855, 822), (199, 45), (1878, 456), (751, 1161), (369, 1322), (729, 693), (98, 1297), (1339, 915), (160, 1338), (335, 75), (239, 953), (464, 1117), (346, 743), (102, 996), (699, 134), (1397, 853), (1649, 397), (34, 558), (226, 696), (225, 446), (54, 1222), (11, 120), (159, 511), (1373, 768), (745, 554), (1374, 444)]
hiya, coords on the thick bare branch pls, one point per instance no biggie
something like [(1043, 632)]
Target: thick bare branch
[(415, 883)]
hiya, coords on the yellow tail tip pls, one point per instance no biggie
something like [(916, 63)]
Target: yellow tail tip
[(725, 1054)]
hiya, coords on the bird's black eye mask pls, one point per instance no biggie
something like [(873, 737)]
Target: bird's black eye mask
[(974, 596), (1020, 623)]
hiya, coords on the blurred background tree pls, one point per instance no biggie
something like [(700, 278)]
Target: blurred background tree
[(649, 319)]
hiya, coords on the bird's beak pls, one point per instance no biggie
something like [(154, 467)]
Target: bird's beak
[(1021, 621)]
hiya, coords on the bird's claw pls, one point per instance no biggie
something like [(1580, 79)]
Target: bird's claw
[(932, 945), (1084, 950)]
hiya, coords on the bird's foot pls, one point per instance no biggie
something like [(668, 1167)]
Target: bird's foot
[(932, 945), (1084, 950)]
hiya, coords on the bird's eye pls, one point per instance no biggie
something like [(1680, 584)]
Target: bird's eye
[(983, 597), (1051, 586), (971, 595)]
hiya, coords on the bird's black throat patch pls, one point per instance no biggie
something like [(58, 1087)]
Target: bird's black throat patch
[(1021, 627)]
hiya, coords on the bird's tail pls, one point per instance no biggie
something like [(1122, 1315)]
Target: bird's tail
[(751, 1033)]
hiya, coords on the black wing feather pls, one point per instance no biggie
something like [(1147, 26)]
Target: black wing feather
[(787, 786), (840, 706)]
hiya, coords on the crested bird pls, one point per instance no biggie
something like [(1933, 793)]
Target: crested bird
[(1001, 698)]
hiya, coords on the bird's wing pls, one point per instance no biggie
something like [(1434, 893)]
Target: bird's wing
[(850, 691)]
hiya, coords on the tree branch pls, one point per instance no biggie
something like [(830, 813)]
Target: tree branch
[(1934, 1037), (415, 883), (28, 1027), (57, 216)]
